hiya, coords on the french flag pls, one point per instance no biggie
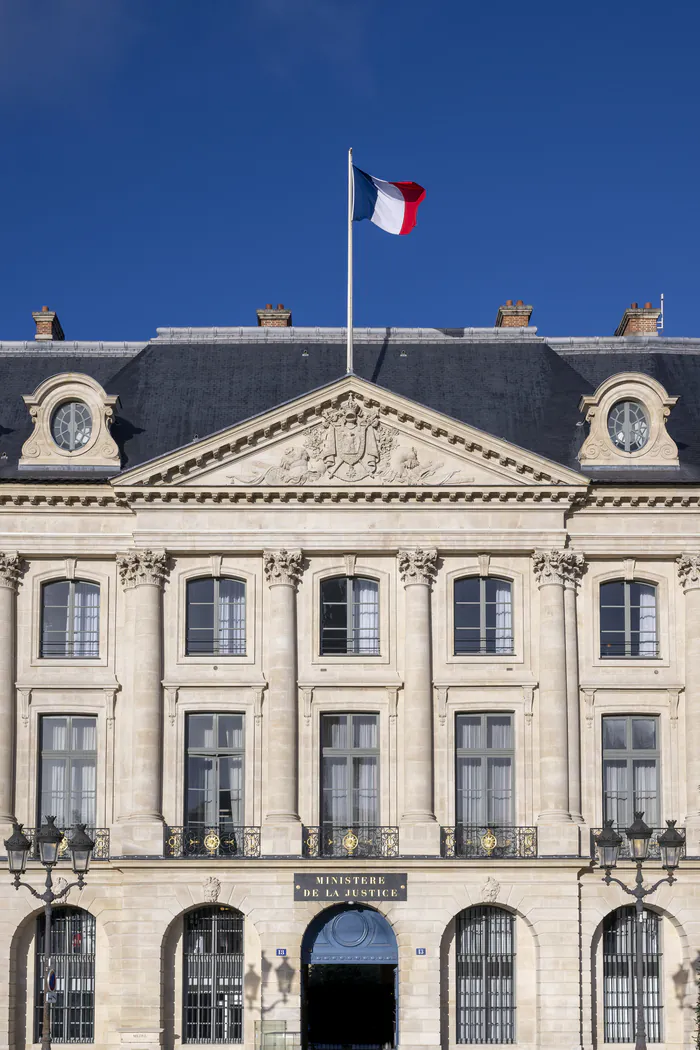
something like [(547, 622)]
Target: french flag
[(392, 206)]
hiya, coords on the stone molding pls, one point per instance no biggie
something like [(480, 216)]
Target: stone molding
[(10, 570), (137, 568), (283, 567), (418, 565), (598, 448), (557, 567), (689, 571), (40, 449)]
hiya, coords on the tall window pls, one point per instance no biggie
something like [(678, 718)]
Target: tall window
[(485, 976), (631, 769), (619, 985), (215, 617), (628, 619), (484, 754), (72, 952), (349, 616), (483, 616), (214, 770), (350, 775), (213, 977), (68, 769), (70, 619)]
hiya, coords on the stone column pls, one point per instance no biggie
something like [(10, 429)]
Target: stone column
[(419, 831), (10, 566), (143, 574), (573, 573), (689, 575), (281, 831), (554, 822)]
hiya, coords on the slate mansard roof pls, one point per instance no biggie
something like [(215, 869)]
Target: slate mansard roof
[(187, 384)]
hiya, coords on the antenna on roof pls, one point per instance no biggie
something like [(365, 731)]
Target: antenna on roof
[(660, 318)]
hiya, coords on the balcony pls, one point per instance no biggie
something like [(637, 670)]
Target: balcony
[(329, 840), (100, 836), (654, 852), (215, 841), (633, 650), (481, 842)]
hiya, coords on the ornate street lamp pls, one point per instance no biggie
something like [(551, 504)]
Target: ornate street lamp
[(48, 841), (671, 844)]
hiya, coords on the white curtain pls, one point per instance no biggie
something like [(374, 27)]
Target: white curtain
[(469, 791), (231, 617), (504, 618), (499, 791), (615, 792), (647, 620), (646, 791), (365, 731), (469, 732), (366, 792), (54, 775), (231, 783), (365, 617), (335, 790), (499, 732), (83, 792), (86, 619)]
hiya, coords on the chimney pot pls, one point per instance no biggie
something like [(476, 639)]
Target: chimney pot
[(280, 306), (639, 321), (647, 306), (510, 316), (271, 318), (634, 306), (509, 302), (519, 302), (48, 325)]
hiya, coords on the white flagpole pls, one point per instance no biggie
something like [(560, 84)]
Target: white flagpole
[(351, 202)]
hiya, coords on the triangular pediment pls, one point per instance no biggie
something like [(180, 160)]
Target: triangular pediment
[(350, 433)]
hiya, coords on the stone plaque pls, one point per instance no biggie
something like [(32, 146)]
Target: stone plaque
[(359, 886)]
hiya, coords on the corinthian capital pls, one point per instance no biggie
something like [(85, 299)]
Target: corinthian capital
[(283, 566), (689, 571), (139, 567), (418, 565), (558, 566), (10, 570)]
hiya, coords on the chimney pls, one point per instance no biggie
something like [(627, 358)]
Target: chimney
[(639, 320), (48, 325), (279, 318), (510, 316)]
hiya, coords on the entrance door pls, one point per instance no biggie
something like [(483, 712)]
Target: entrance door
[(350, 960)]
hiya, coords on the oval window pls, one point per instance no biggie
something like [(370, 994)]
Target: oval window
[(628, 426), (71, 425)]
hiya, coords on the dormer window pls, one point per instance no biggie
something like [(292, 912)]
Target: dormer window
[(71, 425), (72, 418), (628, 426), (627, 418)]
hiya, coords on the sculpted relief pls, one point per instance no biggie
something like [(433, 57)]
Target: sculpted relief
[(349, 445)]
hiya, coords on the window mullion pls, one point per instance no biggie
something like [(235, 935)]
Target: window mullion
[(349, 595), (628, 619), (482, 615)]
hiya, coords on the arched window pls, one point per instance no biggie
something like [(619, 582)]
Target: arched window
[(628, 619), (215, 617), (619, 986), (483, 614), (72, 952), (485, 976), (70, 619), (349, 616), (213, 976)]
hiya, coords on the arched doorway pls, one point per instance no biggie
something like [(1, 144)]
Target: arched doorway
[(350, 963)]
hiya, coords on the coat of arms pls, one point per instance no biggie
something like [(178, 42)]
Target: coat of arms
[(350, 441)]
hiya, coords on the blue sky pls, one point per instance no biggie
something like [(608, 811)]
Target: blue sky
[(166, 162)]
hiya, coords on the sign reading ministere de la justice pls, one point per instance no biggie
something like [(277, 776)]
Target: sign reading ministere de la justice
[(339, 886)]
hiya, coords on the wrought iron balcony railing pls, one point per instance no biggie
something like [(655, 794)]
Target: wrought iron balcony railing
[(654, 853), (493, 842), (100, 837), (342, 642), (205, 840), (232, 644), (79, 647), (334, 840), (501, 645), (632, 650)]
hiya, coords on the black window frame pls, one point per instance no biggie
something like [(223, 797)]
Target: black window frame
[(630, 754), (352, 755), (73, 1014), (68, 755), (73, 639), (619, 975), (238, 646), (487, 642), (627, 648), (484, 753), (216, 753), (349, 642), (209, 976), (491, 1018)]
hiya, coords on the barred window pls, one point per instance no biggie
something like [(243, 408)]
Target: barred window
[(619, 984), (349, 616), (215, 617), (485, 976), (483, 614), (70, 619), (213, 976), (72, 952)]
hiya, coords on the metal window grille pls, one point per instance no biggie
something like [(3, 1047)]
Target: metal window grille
[(213, 976), (70, 619), (631, 768), (485, 976), (628, 619), (215, 617), (72, 956), (215, 771), (68, 768), (619, 984), (349, 616), (483, 616)]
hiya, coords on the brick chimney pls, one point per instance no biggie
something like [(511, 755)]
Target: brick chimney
[(510, 316), (638, 320), (48, 325), (279, 318)]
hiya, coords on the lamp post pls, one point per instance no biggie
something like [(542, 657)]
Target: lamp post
[(671, 846), (48, 841)]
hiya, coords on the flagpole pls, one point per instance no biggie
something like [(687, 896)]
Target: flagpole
[(349, 365)]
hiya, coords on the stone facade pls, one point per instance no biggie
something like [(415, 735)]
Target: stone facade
[(352, 507)]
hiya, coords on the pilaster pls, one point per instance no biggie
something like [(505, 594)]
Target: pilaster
[(10, 570), (689, 575)]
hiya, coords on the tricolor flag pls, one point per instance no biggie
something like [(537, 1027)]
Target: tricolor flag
[(390, 205)]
